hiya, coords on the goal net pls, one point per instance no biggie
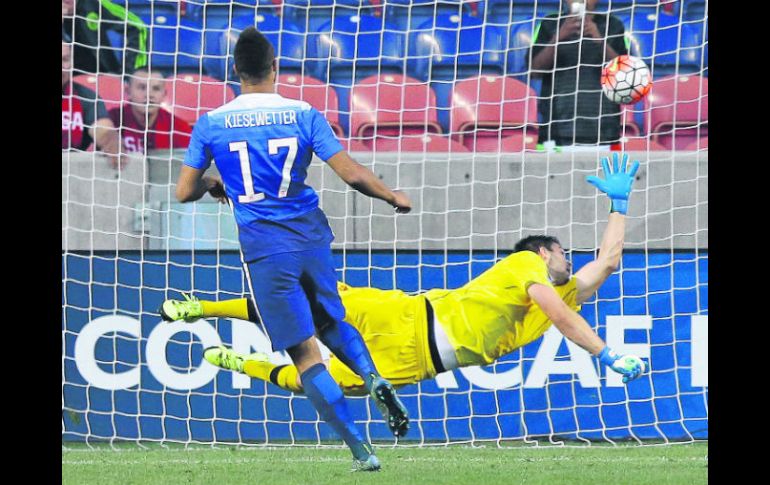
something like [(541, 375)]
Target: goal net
[(441, 100)]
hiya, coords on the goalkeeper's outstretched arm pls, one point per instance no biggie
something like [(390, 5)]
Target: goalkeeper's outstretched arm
[(617, 185), (575, 328)]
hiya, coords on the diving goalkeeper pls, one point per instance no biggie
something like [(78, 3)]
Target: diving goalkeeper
[(415, 337)]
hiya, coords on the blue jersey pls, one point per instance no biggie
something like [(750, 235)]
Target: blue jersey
[(263, 144)]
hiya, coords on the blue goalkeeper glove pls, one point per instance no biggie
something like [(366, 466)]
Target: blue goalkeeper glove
[(630, 366), (616, 183)]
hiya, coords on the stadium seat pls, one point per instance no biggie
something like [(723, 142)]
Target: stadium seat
[(286, 38), (489, 107), (191, 95), (109, 87), (392, 105), (319, 95), (519, 45), (310, 15), (354, 48), (176, 48), (213, 14), (420, 143), (656, 39), (699, 144), (408, 15), (694, 9), (641, 144), (455, 47), (678, 110)]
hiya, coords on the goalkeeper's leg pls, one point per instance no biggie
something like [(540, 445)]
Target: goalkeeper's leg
[(256, 365), (192, 309), (285, 376)]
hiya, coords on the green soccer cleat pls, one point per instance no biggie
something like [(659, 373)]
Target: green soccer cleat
[(371, 464), (224, 358), (188, 310), (228, 359), (391, 407)]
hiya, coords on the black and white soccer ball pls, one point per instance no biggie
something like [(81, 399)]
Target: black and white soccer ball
[(626, 79)]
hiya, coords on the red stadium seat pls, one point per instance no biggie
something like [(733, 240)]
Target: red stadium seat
[(319, 95), (488, 107), (425, 143), (189, 96), (109, 87), (699, 144), (393, 105), (642, 144), (678, 110)]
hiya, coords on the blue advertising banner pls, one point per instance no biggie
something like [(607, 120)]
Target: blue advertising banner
[(127, 375)]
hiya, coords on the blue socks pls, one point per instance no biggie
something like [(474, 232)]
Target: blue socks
[(328, 400), (348, 345)]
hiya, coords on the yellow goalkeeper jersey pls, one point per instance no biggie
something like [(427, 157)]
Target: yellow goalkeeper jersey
[(493, 315)]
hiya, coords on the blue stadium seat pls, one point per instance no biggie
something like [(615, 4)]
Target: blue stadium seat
[(694, 9), (176, 47), (216, 13), (519, 45), (453, 47), (656, 39), (362, 44), (288, 41), (409, 14), (310, 15)]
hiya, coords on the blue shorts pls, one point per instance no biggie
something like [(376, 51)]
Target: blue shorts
[(295, 293)]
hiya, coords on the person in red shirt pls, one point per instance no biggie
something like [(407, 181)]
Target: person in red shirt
[(144, 123), (83, 117)]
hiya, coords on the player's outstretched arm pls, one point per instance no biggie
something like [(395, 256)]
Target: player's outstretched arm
[(575, 328), (617, 185), (365, 181)]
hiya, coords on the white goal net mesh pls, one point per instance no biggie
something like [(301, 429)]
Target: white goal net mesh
[(441, 100)]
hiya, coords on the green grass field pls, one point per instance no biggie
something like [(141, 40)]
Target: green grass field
[(684, 464)]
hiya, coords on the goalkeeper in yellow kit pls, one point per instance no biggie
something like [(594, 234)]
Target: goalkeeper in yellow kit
[(415, 337)]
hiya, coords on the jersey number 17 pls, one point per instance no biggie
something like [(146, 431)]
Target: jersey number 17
[(272, 148)]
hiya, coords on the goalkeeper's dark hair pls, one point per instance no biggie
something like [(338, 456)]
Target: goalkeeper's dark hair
[(534, 243), (254, 56)]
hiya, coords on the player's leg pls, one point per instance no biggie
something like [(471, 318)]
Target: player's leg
[(320, 284), (329, 401), (285, 312)]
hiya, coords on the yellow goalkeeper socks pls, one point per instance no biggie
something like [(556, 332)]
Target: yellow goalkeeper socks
[(283, 376), (237, 308)]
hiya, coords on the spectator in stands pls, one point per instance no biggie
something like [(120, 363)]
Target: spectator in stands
[(144, 123), (568, 51), (85, 24), (84, 118)]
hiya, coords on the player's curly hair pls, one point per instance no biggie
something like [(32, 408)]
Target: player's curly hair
[(534, 243), (254, 55)]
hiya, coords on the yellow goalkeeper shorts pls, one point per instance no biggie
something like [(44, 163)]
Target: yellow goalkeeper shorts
[(394, 327)]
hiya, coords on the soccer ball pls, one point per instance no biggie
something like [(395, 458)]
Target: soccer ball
[(626, 79)]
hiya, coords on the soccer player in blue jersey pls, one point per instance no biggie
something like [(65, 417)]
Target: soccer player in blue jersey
[(262, 144)]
